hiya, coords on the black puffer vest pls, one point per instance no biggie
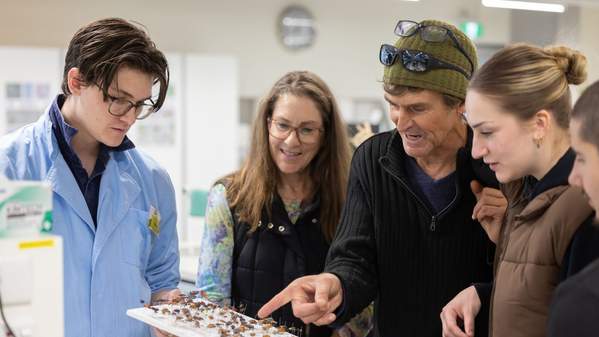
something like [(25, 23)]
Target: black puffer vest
[(278, 252)]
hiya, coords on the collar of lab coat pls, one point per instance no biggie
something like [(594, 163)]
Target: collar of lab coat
[(118, 189)]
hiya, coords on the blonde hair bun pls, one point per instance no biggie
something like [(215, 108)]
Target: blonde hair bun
[(572, 62)]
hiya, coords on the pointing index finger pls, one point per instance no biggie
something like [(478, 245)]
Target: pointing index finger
[(275, 303)]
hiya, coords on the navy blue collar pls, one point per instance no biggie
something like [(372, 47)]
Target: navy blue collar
[(557, 176)]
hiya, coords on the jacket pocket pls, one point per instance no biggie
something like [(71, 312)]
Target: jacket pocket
[(136, 238)]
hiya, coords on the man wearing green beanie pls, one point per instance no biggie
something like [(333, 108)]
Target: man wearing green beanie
[(410, 237)]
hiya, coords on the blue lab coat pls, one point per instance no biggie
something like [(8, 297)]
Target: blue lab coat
[(121, 263)]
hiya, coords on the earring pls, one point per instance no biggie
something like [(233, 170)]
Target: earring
[(537, 142)]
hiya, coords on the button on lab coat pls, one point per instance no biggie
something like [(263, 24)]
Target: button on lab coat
[(119, 265)]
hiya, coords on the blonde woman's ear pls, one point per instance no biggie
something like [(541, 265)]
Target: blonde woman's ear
[(543, 119)]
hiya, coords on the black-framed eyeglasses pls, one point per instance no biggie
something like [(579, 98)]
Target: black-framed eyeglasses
[(281, 131), (414, 60), (431, 33), (119, 106)]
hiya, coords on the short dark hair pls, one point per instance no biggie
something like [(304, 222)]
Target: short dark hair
[(102, 47), (398, 90), (586, 111)]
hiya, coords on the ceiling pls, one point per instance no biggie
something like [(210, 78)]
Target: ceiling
[(581, 3)]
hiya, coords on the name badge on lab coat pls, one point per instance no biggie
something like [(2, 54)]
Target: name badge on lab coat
[(154, 221)]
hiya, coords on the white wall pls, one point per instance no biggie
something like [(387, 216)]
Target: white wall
[(589, 42), (345, 54), (211, 120)]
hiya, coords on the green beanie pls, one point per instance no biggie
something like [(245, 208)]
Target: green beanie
[(445, 81)]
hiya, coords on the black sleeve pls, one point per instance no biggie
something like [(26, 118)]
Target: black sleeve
[(573, 312), (483, 173), (583, 249), (484, 291), (352, 256)]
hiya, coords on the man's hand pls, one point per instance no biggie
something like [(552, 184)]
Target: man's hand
[(165, 295), (313, 299), (489, 210), (462, 308)]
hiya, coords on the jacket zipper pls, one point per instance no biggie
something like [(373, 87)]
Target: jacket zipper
[(434, 217), (444, 210)]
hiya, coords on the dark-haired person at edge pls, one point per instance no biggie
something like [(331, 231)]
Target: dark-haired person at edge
[(273, 220), (519, 106), (113, 206), (409, 237), (573, 311)]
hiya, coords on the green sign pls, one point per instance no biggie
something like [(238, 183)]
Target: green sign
[(472, 29)]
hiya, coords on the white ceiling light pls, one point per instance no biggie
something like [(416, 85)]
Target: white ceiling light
[(525, 5)]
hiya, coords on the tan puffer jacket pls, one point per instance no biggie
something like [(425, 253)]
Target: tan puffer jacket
[(533, 242)]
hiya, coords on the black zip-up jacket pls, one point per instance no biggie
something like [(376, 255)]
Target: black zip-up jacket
[(278, 252), (392, 248), (574, 309)]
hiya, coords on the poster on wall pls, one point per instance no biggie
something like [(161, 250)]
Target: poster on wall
[(24, 102), (29, 79), (159, 128)]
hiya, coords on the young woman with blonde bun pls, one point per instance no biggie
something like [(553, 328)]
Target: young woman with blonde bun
[(518, 105)]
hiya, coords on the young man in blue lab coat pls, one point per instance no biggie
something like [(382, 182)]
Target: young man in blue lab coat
[(113, 206)]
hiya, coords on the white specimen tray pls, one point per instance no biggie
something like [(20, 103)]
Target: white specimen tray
[(214, 318)]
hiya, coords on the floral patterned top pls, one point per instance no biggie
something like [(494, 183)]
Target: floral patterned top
[(216, 257)]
